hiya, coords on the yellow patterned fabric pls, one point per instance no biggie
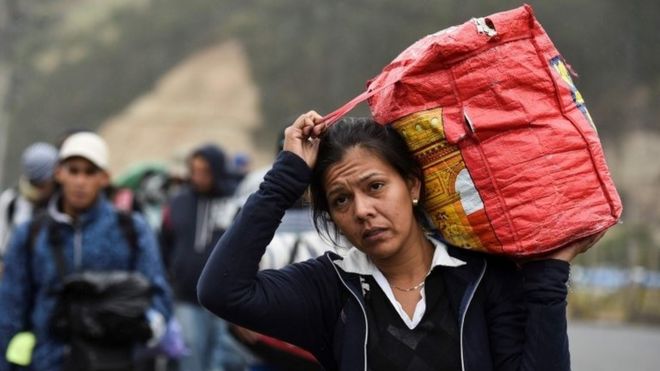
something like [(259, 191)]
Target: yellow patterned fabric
[(452, 202)]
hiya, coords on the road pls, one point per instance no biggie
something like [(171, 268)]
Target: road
[(610, 347)]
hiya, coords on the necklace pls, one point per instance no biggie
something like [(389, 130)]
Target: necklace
[(416, 287)]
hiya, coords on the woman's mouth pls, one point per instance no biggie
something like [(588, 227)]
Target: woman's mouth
[(373, 234)]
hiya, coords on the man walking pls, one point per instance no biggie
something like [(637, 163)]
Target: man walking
[(193, 222), (82, 233)]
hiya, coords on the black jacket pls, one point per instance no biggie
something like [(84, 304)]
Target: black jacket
[(193, 223), (509, 319)]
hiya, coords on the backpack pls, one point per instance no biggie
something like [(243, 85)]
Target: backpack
[(99, 314)]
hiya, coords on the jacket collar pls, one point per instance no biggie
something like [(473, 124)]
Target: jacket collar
[(460, 278), (89, 214), (355, 261)]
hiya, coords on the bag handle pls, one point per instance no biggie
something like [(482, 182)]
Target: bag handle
[(340, 112)]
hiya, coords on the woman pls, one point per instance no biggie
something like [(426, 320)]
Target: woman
[(400, 299)]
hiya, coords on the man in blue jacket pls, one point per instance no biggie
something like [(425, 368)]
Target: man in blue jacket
[(90, 238)]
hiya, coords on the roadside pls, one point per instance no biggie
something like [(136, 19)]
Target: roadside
[(614, 347)]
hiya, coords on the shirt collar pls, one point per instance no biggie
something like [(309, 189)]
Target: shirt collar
[(355, 261)]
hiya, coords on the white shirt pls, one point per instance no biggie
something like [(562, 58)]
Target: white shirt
[(357, 262)]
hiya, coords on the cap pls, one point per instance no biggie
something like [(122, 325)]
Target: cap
[(39, 161), (89, 146)]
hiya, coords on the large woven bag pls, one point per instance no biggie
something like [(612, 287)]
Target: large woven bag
[(512, 160)]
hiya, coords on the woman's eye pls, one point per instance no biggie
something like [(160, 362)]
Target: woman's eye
[(376, 186), (340, 201)]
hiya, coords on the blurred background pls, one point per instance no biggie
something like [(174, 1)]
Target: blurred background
[(158, 77)]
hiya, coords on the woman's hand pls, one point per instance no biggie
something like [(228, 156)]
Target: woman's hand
[(302, 137), (573, 249)]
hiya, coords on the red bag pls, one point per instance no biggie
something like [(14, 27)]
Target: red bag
[(511, 157)]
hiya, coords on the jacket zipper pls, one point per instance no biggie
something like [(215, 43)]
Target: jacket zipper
[(364, 311), (467, 306), (77, 246)]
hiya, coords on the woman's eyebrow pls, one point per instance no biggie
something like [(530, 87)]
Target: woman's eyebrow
[(368, 176), (337, 187)]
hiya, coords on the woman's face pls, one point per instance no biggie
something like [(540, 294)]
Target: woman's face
[(371, 203)]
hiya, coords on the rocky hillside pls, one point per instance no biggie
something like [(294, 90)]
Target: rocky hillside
[(209, 97)]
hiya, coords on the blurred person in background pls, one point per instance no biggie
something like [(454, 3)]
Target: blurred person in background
[(80, 234), (35, 186), (193, 221), (240, 166), (145, 187)]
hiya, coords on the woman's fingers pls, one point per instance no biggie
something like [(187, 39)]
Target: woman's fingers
[(589, 242), (318, 129), (307, 128), (311, 120), (310, 125), (304, 119), (302, 136), (570, 251)]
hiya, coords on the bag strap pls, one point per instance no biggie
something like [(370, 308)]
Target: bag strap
[(56, 243), (127, 227), (11, 209), (36, 224), (340, 112)]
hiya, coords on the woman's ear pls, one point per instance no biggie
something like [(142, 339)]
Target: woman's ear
[(415, 187)]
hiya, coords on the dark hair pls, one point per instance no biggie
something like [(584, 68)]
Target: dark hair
[(363, 132)]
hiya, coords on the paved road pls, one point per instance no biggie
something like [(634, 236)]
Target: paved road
[(608, 347)]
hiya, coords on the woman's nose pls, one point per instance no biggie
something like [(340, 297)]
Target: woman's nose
[(363, 207)]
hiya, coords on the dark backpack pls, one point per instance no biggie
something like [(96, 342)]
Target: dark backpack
[(99, 314)]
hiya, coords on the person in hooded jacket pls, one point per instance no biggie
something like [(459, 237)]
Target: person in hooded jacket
[(193, 221)]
